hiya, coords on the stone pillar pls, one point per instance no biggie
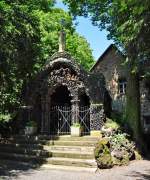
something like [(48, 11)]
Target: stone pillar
[(97, 119), (42, 115), (75, 106), (62, 41), (45, 116), (75, 111)]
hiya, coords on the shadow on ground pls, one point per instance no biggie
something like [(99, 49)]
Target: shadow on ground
[(140, 175), (10, 170), (12, 166)]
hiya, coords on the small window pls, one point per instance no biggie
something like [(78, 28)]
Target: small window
[(122, 86), (146, 119), (147, 86)]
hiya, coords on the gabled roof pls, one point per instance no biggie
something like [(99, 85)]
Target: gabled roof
[(112, 46)]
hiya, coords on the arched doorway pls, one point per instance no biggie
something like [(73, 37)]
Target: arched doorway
[(61, 97), (84, 113), (60, 111)]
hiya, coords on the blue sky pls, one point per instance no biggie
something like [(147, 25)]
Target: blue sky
[(96, 38)]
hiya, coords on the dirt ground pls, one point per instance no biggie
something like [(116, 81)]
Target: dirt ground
[(136, 170)]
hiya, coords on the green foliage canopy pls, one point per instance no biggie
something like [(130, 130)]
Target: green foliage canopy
[(28, 36), (128, 22)]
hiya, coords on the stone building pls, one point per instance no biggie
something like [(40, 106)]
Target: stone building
[(110, 64), (63, 94), (145, 98)]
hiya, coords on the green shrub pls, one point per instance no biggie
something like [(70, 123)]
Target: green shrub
[(76, 125), (5, 125), (5, 117), (110, 128), (115, 148), (103, 155), (31, 124), (112, 124), (120, 143), (137, 155), (119, 118)]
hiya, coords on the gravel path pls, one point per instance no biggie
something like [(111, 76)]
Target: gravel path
[(137, 170)]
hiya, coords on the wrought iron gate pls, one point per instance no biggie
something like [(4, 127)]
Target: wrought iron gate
[(60, 120), (84, 119)]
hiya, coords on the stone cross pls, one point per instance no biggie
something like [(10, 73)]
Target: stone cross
[(62, 38)]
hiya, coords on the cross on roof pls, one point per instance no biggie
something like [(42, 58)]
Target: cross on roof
[(62, 37)]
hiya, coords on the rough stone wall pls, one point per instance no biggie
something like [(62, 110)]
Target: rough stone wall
[(96, 87), (145, 105), (62, 70), (111, 67)]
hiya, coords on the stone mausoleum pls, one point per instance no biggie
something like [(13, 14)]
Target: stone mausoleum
[(63, 94)]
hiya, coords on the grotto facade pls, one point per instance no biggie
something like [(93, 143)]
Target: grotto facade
[(64, 94)]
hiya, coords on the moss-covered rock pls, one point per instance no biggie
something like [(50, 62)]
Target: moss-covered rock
[(115, 148), (119, 162), (125, 160), (137, 155), (103, 154), (110, 128), (112, 124)]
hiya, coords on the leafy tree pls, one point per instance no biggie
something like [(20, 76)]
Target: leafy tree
[(126, 21), (28, 36), (80, 50), (76, 45), (128, 24), (19, 38)]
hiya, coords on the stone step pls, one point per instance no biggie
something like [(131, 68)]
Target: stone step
[(52, 151), (69, 168), (46, 152), (26, 146), (61, 138), (71, 143), (90, 163), (52, 142), (48, 148), (82, 138), (23, 157), (8, 164), (25, 151), (86, 149), (53, 160), (75, 155)]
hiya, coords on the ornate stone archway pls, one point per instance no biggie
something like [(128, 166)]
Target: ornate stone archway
[(62, 70), (62, 77)]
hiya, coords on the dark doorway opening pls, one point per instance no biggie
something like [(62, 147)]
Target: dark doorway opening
[(84, 100), (107, 104), (61, 97), (60, 112), (84, 113)]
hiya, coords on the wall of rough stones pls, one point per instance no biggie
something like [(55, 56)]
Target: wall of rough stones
[(62, 70), (111, 66), (145, 105)]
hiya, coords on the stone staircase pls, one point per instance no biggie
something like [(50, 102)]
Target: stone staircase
[(50, 151)]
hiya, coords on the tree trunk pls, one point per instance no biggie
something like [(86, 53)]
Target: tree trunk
[(133, 105)]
